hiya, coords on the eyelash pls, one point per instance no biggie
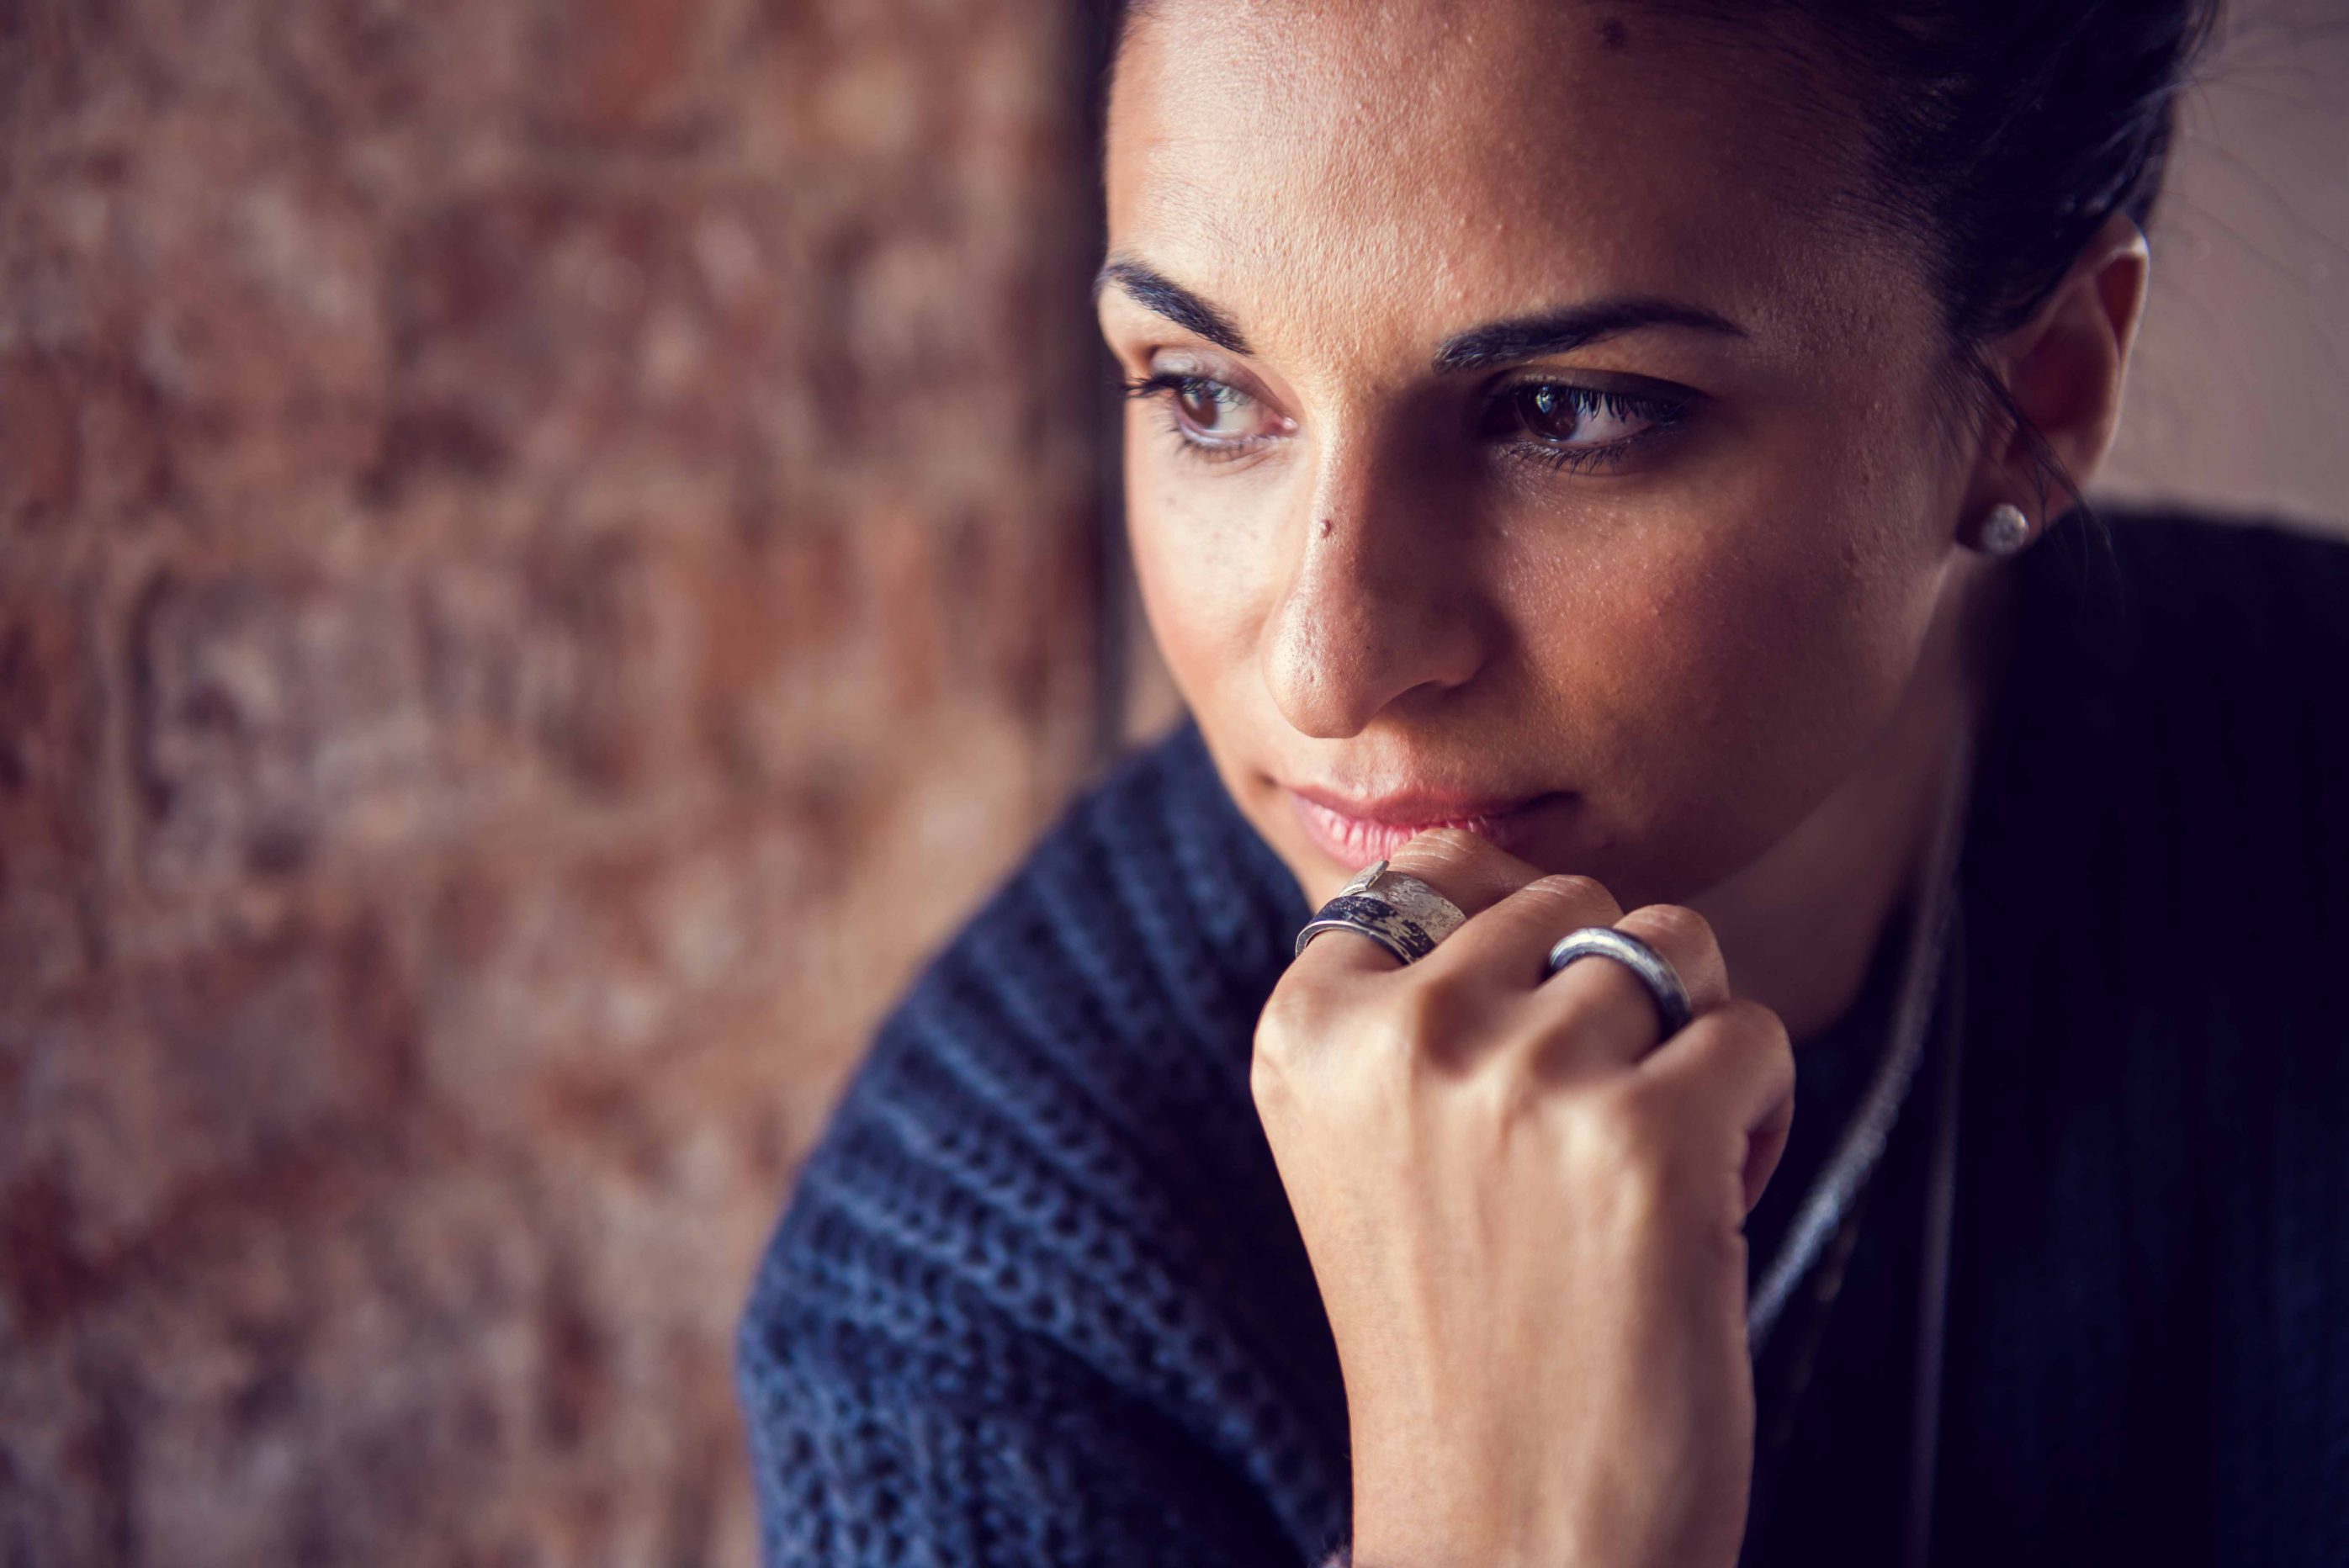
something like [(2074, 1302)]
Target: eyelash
[(1662, 415), (1164, 389)]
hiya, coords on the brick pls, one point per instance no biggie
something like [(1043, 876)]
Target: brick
[(549, 554), (272, 713), (240, 1074), (53, 713), (40, 442)]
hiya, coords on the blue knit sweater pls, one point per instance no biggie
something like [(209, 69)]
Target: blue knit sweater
[(1039, 1299)]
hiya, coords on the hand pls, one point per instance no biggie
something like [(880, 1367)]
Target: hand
[(1525, 1215)]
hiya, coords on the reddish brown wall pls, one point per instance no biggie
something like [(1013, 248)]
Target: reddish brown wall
[(546, 552)]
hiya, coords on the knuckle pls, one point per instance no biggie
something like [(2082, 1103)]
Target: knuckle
[(1498, 1101), (1448, 857), (1435, 1020), (1687, 941), (1431, 1011), (1627, 1129), (1270, 1067), (1678, 919), (1268, 1082), (1754, 1026), (1454, 844), (1288, 1015), (1677, 924), (1295, 1015), (1570, 890), (1739, 1037)]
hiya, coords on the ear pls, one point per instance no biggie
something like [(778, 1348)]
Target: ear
[(2064, 368)]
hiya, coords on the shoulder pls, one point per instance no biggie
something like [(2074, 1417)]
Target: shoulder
[(2260, 584), (2230, 640), (2154, 915), (1110, 968), (2157, 883), (1045, 1187), (2158, 596), (2158, 864), (2185, 674), (2147, 592)]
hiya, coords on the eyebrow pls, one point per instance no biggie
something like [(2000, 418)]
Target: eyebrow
[(1555, 332), (1154, 291), (1478, 348)]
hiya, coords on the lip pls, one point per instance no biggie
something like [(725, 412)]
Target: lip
[(1356, 832)]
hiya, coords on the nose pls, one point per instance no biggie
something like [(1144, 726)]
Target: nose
[(1381, 608)]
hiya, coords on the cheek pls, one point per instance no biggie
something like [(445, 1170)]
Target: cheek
[(1193, 564), (1787, 642), (1737, 668)]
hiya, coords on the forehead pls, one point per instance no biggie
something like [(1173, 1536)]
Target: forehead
[(1293, 161)]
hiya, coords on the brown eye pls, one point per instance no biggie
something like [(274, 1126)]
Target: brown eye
[(1211, 408), (1580, 416), (1208, 418)]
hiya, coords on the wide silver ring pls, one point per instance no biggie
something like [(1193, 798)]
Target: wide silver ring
[(1662, 982), (1394, 909)]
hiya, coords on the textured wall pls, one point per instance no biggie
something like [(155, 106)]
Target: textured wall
[(546, 552), (2240, 392)]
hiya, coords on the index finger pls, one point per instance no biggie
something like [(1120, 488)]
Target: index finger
[(1472, 872)]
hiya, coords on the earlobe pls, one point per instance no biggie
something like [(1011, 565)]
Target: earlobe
[(2004, 529), (2064, 368)]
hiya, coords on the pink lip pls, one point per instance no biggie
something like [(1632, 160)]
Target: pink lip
[(1354, 833)]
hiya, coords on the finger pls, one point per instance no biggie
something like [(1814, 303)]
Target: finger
[(1471, 872), (1736, 1062), (1598, 1013), (1511, 940)]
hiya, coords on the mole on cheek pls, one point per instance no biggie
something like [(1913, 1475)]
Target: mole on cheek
[(1327, 524), (1612, 34)]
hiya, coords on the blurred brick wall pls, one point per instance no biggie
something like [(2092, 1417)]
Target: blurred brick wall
[(547, 553)]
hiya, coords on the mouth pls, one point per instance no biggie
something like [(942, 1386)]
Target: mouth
[(1355, 832)]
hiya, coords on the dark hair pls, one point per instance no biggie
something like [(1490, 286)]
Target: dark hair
[(2006, 131)]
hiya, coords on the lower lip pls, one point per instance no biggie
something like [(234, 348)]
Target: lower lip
[(1352, 842)]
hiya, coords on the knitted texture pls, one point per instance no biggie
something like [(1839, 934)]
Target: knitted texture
[(1038, 1298)]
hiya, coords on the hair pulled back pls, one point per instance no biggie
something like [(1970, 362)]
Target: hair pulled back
[(2005, 132)]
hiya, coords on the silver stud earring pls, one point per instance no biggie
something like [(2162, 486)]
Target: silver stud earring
[(2005, 529)]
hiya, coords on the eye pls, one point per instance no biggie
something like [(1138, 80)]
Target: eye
[(1212, 408), (1210, 418), (1576, 426), (1583, 415)]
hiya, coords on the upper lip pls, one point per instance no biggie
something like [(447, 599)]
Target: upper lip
[(1413, 807)]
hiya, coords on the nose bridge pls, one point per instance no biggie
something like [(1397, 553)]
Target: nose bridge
[(1377, 603)]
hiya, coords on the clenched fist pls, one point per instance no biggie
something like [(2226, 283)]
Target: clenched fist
[(1525, 1215)]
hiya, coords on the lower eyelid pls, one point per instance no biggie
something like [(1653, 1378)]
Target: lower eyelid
[(1584, 460), (1191, 446), (1572, 459)]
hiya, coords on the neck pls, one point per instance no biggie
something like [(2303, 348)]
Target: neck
[(1798, 925)]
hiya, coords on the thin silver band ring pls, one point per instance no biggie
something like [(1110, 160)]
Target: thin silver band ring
[(1664, 984)]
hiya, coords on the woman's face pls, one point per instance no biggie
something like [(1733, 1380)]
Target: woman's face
[(1523, 434)]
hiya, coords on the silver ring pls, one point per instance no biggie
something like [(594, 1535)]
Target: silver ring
[(1394, 909), (1605, 942)]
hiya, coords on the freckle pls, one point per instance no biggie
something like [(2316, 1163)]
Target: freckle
[(1612, 34)]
